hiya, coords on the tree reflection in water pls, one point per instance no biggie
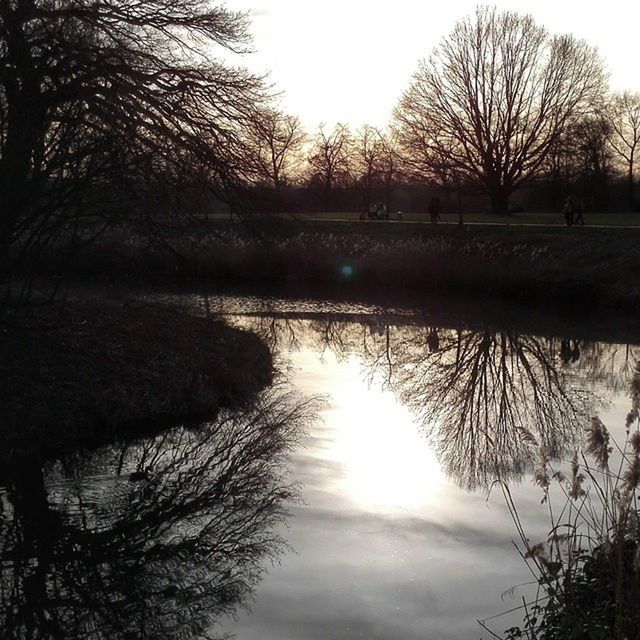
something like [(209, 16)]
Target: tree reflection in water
[(165, 536), (489, 400)]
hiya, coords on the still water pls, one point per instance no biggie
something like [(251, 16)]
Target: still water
[(356, 498)]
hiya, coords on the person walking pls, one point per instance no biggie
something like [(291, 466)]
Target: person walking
[(434, 210), (577, 213), (568, 210)]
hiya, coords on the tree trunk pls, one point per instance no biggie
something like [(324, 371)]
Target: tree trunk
[(499, 197), (17, 189), (459, 199), (24, 130), (632, 199)]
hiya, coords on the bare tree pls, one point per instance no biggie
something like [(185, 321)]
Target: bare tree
[(330, 159), (278, 140), (368, 155), (493, 98), (623, 116), (389, 164), (592, 159), (94, 94)]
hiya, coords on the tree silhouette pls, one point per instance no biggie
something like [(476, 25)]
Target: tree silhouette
[(488, 400), (374, 164), (277, 142), (623, 116), (494, 97), (96, 94), (330, 160)]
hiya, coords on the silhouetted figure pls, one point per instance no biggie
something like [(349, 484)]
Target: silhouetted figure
[(566, 352), (575, 351), (433, 341), (382, 211), (578, 210), (573, 210), (568, 210), (377, 328), (434, 209), (373, 211)]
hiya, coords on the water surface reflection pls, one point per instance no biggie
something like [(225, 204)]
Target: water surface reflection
[(152, 539), (487, 400), (170, 536), (398, 537)]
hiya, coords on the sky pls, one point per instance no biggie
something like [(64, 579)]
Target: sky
[(350, 60)]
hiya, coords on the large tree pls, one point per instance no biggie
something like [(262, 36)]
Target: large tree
[(623, 117), (98, 94), (277, 142), (493, 98), (330, 160)]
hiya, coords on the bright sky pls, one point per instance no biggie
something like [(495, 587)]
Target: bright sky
[(350, 60)]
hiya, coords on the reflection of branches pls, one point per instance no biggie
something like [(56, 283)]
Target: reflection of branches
[(490, 399), (342, 337), (172, 535), (610, 364)]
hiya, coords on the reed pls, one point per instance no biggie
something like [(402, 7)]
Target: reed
[(587, 570)]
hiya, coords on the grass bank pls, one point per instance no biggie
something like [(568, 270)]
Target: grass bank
[(600, 219), (587, 265), (96, 372)]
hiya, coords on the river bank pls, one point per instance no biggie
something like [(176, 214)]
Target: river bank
[(589, 266), (94, 371)]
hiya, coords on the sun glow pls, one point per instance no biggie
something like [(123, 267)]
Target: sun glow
[(387, 461), (340, 61)]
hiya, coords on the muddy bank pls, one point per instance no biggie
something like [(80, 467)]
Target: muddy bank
[(95, 372)]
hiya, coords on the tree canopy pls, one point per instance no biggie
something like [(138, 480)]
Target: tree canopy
[(116, 93), (493, 98)]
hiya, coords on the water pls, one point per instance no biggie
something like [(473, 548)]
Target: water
[(355, 499)]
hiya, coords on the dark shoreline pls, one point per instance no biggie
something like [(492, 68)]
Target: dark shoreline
[(95, 372), (98, 373)]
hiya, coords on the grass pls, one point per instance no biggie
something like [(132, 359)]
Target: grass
[(99, 371), (516, 219)]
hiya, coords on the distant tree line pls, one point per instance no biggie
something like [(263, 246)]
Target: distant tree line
[(502, 116), (340, 169)]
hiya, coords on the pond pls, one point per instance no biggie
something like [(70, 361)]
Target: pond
[(356, 498)]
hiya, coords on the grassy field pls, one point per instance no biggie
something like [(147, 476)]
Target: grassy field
[(490, 219), (489, 228)]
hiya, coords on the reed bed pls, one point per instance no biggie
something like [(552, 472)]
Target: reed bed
[(596, 269), (587, 571)]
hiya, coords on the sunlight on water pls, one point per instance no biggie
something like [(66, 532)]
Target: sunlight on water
[(388, 462)]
